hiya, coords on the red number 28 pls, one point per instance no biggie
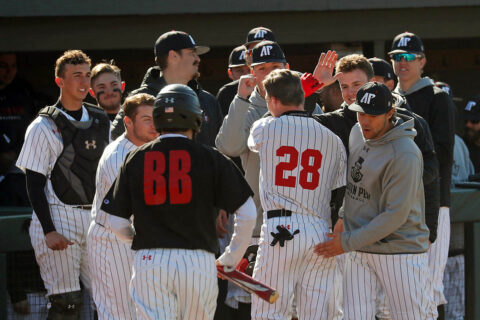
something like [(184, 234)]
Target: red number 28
[(292, 163)]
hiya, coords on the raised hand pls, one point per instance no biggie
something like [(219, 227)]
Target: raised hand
[(324, 70)]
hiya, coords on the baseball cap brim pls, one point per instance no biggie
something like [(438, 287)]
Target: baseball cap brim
[(358, 108), (237, 65), (403, 51), (471, 116), (270, 60), (201, 49)]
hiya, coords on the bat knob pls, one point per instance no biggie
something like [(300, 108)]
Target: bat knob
[(273, 297)]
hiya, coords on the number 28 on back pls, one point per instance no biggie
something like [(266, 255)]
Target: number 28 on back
[(310, 163)]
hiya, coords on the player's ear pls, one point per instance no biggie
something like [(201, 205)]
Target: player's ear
[(390, 113), (127, 122), (230, 75), (123, 86), (287, 66), (423, 62), (92, 93), (390, 84), (59, 82)]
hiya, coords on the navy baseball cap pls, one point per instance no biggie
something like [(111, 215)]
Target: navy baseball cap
[(373, 98), (237, 57), (177, 40), (258, 34), (382, 68), (267, 51), (472, 109), (407, 42)]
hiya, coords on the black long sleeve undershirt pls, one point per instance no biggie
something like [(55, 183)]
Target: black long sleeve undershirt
[(36, 193)]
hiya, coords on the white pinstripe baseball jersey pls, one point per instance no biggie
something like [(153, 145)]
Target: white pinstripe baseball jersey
[(301, 161), (110, 260), (107, 171), (60, 270)]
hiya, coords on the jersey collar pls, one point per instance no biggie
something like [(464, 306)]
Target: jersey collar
[(299, 113), (172, 135)]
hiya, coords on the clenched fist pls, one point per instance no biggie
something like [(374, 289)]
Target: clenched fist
[(246, 85)]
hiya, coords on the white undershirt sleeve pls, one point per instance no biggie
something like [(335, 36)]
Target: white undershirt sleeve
[(245, 219), (122, 228)]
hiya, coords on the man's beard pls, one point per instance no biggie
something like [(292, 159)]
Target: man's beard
[(196, 76), (110, 107), (472, 136)]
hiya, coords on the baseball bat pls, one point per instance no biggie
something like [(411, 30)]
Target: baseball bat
[(249, 284)]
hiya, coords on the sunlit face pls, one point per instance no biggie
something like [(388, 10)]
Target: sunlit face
[(75, 81), (189, 63), (141, 128), (409, 70), (108, 89), (8, 68), (260, 71), (350, 82), (374, 126)]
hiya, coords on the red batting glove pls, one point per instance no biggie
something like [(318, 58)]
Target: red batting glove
[(309, 84), (242, 266)]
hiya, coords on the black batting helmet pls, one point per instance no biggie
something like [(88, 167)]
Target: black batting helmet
[(177, 107)]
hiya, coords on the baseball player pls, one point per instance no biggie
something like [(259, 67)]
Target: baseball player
[(172, 186), (177, 59), (301, 163), (237, 65), (60, 155), (250, 105), (107, 88), (437, 108), (111, 260), (385, 231)]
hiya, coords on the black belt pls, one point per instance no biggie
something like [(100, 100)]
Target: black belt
[(278, 213), (84, 207)]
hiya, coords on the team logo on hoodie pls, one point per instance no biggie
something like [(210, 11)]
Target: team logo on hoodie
[(356, 174)]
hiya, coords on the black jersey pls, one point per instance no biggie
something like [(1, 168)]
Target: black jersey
[(171, 186)]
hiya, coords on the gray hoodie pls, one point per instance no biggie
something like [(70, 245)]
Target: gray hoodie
[(384, 202), (420, 84), (232, 141)]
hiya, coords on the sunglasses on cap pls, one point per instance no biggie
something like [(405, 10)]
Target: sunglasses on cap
[(405, 56)]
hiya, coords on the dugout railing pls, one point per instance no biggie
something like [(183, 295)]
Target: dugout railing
[(465, 208)]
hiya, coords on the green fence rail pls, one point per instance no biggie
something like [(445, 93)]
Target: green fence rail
[(465, 208)]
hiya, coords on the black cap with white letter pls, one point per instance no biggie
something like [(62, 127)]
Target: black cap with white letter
[(373, 98), (267, 51), (407, 42)]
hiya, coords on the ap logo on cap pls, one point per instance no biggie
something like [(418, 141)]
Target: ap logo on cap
[(265, 51), (367, 97), (260, 34), (470, 105), (242, 56), (404, 41)]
